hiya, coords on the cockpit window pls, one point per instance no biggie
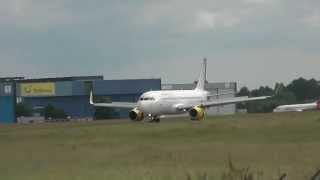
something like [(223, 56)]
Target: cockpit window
[(147, 99)]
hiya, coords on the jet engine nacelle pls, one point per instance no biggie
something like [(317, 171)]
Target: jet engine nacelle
[(197, 113), (136, 115)]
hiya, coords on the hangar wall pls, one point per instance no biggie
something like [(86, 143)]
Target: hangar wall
[(228, 89), (7, 102), (73, 96)]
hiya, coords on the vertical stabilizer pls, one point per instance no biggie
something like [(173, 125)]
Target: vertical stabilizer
[(203, 76), (318, 104)]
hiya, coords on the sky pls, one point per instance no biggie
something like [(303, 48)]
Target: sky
[(252, 42)]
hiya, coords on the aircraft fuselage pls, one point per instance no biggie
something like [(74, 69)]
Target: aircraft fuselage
[(296, 107), (169, 102)]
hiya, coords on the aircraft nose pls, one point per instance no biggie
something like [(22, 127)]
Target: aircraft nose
[(147, 107)]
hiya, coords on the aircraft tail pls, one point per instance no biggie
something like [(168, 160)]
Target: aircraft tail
[(203, 76), (91, 98), (318, 104)]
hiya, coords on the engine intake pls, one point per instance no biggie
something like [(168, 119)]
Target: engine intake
[(136, 115), (197, 113)]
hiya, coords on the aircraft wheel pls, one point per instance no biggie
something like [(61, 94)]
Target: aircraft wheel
[(155, 119)]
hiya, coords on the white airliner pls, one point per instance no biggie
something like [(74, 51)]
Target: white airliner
[(298, 107), (158, 103)]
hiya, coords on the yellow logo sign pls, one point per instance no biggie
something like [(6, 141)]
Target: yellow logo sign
[(38, 89)]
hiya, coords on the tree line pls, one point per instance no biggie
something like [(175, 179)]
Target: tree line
[(298, 91)]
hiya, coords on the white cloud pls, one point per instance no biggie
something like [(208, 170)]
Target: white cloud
[(154, 12), (174, 32), (312, 20), (34, 14), (210, 20), (206, 20), (255, 1), (259, 1)]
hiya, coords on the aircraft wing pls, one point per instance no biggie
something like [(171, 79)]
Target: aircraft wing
[(220, 102), (220, 94), (234, 100), (116, 105), (113, 104)]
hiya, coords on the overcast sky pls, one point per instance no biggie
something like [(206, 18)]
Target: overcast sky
[(252, 42)]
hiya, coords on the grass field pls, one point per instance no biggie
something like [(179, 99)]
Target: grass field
[(269, 144)]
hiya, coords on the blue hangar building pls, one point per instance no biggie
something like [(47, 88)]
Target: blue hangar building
[(7, 101), (72, 93)]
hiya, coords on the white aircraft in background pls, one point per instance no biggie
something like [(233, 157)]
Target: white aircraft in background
[(298, 107), (158, 103)]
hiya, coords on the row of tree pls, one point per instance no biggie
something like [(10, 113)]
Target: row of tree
[(298, 91)]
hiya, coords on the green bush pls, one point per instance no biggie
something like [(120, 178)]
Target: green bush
[(52, 112), (23, 110)]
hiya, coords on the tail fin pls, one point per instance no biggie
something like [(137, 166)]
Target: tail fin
[(91, 98), (318, 104), (203, 76)]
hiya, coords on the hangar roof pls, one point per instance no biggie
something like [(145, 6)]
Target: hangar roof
[(57, 79), (7, 79)]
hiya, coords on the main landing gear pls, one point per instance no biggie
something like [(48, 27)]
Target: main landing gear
[(154, 119)]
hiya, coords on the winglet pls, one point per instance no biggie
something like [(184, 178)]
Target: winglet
[(91, 98), (202, 77)]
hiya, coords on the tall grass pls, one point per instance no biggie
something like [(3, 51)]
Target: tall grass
[(262, 147), (235, 173)]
